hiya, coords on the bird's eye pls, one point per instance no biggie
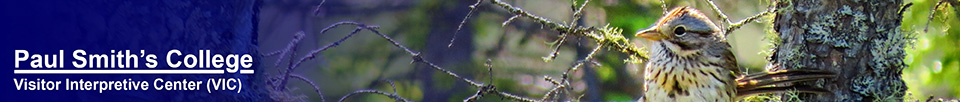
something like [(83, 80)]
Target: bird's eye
[(679, 31)]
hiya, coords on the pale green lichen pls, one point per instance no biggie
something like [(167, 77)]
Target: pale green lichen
[(845, 10), (770, 35), (842, 44), (850, 29), (820, 32), (823, 31), (859, 21), (887, 52), (793, 55), (612, 37)]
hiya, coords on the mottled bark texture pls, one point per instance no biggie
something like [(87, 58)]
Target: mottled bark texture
[(860, 40)]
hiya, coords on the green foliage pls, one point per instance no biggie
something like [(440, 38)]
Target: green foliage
[(631, 17), (619, 97), (934, 59)]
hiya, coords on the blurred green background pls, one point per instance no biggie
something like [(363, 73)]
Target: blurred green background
[(516, 50)]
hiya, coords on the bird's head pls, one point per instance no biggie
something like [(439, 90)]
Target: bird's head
[(683, 29)]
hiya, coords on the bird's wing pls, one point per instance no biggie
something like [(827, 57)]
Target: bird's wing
[(766, 82)]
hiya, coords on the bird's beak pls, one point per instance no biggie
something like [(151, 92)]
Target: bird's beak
[(650, 34)]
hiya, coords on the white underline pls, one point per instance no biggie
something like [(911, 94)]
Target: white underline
[(246, 71), (209, 71)]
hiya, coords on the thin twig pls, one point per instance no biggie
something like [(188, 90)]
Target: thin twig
[(394, 86), (315, 86), (719, 13), (620, 45), (904, 8), (581, 62), (609, 37), (489, 65), (418, 58), (509, 20), (933, 13), (473, 8), (565, 76), (538, 19), (291, 48), (313, 53), (514, 97), (956, 6), (770, 10), (297, 37), (552, 92), (578, 12), (663, 5), (550, 79), (485, 89), (556, 50), (316, 10), (603, 38), (370, 91), (480, 92)]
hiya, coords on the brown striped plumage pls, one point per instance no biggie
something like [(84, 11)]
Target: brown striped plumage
[(690, 61)]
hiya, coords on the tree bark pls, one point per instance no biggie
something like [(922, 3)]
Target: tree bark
[(859, 40)]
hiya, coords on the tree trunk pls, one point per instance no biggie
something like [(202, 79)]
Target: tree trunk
[(859, 40)]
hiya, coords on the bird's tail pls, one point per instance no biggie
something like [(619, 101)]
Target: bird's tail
[(768, 82)]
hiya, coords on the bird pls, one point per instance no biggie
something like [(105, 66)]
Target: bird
[(691, 61)]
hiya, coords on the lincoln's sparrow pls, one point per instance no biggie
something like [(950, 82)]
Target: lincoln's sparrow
[(691, 61)]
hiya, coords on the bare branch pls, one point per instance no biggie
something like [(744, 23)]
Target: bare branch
[(770, 10), (509, 20), (584, 60), (605, 37), (552, 92), (538, 19), (315, 86), (933, 13), (489, 65), (561, 86), (316, 10), (904, 8), (418, 58), (621, 45), (514, 97), (296, 39), (394, 86), (290, 47), (482, 91), (663, 5), (473, 8), (550, 79), (556, 50), (578, 12), (360, 27), (313, 53), (719, 13), (566, 75)]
